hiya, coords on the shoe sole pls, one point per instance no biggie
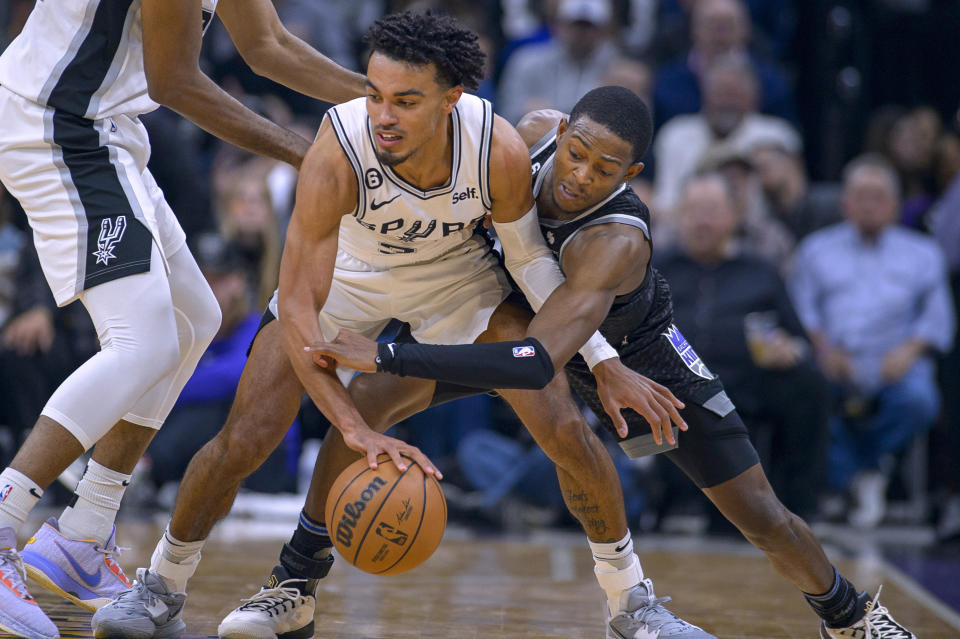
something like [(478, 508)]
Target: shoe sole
[(43, 580), (170, 630), (248, 631), (19, 630)]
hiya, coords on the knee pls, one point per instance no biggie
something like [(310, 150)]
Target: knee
[(207, 320), (568, 443), (241, 447)]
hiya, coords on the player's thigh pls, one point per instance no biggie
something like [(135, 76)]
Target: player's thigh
[(267, 400), (384, 399), (508, 322), (552, 418)]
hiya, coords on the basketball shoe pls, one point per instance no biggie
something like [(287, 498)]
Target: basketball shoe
[(80, 570), (281, 610), (646, 618), (19, 613), (148, 610), (878, 623)]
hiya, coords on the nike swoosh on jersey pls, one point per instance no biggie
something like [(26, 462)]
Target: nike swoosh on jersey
[(91, 579), (376, 205)]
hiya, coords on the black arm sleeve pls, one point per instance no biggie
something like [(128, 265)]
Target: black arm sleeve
[(522, 364)]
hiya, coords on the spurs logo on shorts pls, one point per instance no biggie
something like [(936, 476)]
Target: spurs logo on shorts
[(111, 232), (686, 352)]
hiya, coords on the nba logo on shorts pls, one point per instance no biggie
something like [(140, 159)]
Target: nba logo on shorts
[(524, 351), (5, 492), (686, 352)]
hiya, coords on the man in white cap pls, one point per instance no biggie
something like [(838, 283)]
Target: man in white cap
[(556, 73)]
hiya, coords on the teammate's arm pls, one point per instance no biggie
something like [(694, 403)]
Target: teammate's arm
[(326, 191), (171, 60), (275, 53)]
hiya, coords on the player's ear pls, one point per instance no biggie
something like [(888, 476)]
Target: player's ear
[(633, 171), (561, 126), (451, 97)]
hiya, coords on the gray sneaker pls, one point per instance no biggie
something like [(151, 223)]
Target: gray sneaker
[(146, 611), (646, 618)]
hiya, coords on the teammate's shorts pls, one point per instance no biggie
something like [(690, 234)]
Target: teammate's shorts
[(92, 204), (446, 300), (717, 446)]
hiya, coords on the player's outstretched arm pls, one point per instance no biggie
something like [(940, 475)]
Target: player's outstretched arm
[(171, 58), (275, 53), (326, 191)]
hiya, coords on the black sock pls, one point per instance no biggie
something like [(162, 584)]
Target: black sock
[(311, 538), (839, 607), (312, 554)]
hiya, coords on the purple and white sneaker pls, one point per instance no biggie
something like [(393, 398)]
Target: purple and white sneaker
[(19, 613), (80, 570)]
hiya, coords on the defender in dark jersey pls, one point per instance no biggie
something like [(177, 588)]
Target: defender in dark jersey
[(599, 231)]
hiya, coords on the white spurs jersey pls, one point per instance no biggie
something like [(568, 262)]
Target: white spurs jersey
[(397, 223), (83, 56)]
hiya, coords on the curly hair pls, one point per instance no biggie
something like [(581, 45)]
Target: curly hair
[(422, 38)]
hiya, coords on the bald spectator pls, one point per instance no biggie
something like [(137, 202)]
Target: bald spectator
[(557, 73), (718, 29), (728, 125), (875, 300)]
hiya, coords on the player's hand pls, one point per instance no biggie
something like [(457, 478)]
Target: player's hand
[(619, 387), (371, 443), (349, 349), (30, 332)]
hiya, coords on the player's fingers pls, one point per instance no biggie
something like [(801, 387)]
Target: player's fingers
[(665, 392), (372, 453), (652, 418), (612, 408), (423, 461), (662, 422), (673, 413), (394, 452)]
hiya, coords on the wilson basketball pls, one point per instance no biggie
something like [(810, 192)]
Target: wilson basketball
[(383, 521)]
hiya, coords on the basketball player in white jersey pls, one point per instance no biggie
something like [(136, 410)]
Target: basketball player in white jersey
[(386, 204), (73, 151)]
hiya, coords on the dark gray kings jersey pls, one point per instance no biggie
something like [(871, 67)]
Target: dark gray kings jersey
[(640, 323)]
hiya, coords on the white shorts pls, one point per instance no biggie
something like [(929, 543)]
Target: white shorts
[(447, 300), (93, 206)]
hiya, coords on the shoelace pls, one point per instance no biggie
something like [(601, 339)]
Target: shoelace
[(12, 557), (110, 556), (269, 598), (655, 608), (879, 624), (139, 591)]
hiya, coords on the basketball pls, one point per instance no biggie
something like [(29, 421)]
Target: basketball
[(385, 521)]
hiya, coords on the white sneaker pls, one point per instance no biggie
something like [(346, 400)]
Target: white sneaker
[(878, 623), (645, 617), (870, 493), (279, 611)]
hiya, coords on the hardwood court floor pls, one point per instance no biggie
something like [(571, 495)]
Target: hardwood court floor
[(507, 588)]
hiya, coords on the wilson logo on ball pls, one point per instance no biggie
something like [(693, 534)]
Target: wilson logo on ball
[(351, 512)]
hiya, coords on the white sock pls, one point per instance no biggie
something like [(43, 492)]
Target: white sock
[(18, 495), (175, 561), (93, 510), (617, 569)]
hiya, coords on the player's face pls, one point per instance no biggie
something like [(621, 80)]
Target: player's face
[(406, 106), (590, 163)]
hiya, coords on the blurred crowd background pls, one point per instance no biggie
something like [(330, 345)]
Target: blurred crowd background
[(804, 183)]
